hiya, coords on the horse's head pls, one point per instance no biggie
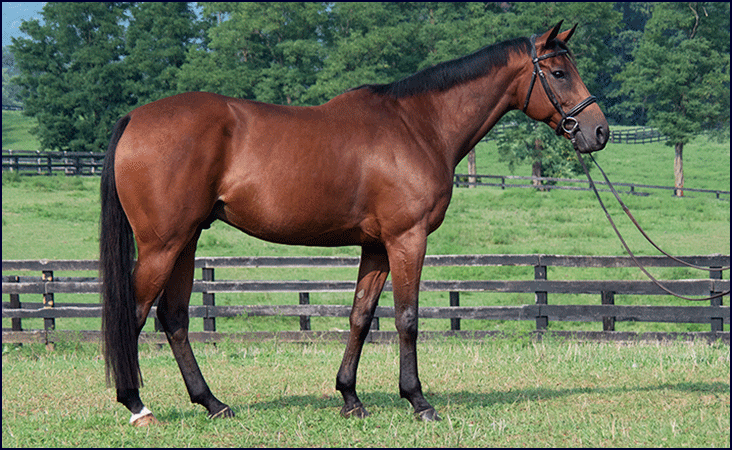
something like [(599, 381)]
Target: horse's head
[(562, 101)]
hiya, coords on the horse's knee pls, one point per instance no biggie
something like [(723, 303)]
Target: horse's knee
[(406, 322)]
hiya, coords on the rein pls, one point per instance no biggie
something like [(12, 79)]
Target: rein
[(622, 241), (562, 127)]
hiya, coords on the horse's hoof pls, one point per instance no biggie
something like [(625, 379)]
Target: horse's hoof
[(145, 421), (428, 415), (225, 412), (358, 412)]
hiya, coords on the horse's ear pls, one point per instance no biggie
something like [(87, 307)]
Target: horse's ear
[(553, 32), (567, 34)]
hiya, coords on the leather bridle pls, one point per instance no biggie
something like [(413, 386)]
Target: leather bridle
[(568, 124)]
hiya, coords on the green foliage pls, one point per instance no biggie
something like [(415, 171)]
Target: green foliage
[(156, 42), (535, 143), (83, 69), (680, 71), (72, 73), (265, 51), (11, 91)]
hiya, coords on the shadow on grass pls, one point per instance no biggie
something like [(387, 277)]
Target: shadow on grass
[(380, 399)]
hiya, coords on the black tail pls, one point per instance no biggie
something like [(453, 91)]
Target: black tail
[(116, 258)]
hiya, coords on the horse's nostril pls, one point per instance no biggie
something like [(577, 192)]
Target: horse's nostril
[(601, 134)]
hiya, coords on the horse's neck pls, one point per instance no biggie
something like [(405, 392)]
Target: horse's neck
[(465, 113)]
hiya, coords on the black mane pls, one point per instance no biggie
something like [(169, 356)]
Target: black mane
[(447, 74)]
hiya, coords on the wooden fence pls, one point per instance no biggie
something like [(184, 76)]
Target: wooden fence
[(715, 314), (639, 135), (47, 163), (635, 135), (463, 180)]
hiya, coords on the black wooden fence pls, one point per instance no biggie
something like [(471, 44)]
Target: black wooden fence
[(28, 162), (635, 135), (606, 311), (573, 184), (639, 135)]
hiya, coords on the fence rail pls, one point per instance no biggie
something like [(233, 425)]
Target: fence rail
[(541, 312), (635, 135), (47, 163), (463, 180), (640, 135)]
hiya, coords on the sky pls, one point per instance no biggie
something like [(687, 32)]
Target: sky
[(16, 12)]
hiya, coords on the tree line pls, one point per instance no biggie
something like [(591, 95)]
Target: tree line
[(87, 64)]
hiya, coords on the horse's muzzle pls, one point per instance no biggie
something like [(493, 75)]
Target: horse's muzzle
[(592, 141)]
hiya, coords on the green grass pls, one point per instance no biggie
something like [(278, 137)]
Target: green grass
[(490, 393), (16, 132)]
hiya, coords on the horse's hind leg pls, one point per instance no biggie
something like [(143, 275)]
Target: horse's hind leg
[(152, 269), (173, 315), (372, 273)]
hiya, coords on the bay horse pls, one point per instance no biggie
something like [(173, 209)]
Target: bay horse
[(373, 167)]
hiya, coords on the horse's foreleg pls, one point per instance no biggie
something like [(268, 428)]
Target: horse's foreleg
[(406, 256), (372, 273), (173, 315)]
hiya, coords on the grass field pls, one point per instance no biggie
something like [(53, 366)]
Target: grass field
[(502, 393), (16, 132), (505, 392)]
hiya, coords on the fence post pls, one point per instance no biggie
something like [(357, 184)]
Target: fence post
[(716, 322), (209, 323), (454, 301), (304, 320), (541, 298), (15, 303), (608, 322), (49, 324)]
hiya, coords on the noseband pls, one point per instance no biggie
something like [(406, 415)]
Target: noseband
[(568, 124)]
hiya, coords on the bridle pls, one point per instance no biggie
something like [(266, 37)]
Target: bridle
[(568, 124)]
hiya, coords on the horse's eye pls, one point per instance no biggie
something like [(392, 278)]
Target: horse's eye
[(558, 74)]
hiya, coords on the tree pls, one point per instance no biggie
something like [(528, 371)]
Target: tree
[(156, 43), (369, 42), (524, 141), (265, 51), (622, 46), (72, 74), (680, 73), (11, 91)]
